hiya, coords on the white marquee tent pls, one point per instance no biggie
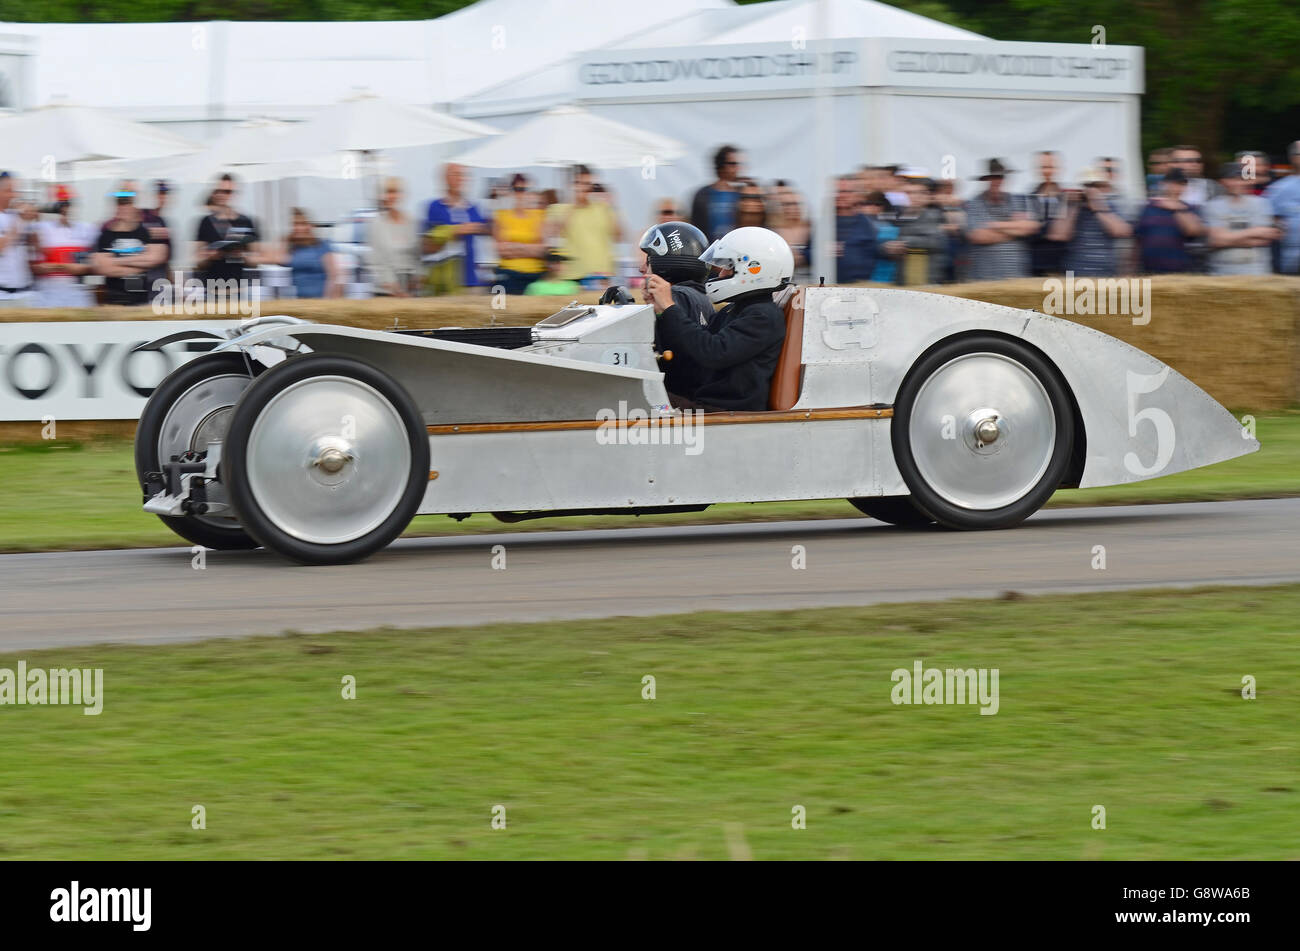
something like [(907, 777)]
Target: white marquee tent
[(806, 88)]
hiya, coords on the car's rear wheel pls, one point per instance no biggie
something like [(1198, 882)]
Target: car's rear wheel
[(895, 509), (188, 410), (326, 459), (982, 432)]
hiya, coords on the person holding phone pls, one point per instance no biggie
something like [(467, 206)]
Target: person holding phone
[(227, 242)]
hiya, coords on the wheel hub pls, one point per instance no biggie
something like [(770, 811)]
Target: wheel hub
[(1005, 430), (331, 458), (985, 430), (328, 459)]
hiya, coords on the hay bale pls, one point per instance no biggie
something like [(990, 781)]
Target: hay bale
[(1238, 338)]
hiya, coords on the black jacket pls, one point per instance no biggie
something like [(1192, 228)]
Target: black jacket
[(683, 375), (738, 350)]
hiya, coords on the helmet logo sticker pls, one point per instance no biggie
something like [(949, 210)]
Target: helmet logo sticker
[(675, 241), (659, 243), (755, 267)]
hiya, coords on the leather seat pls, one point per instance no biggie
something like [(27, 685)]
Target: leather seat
[(788, 376)]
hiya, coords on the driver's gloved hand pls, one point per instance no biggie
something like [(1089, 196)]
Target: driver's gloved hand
[(614, 294)]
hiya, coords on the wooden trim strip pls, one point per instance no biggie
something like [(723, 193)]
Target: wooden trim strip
[(710, 419)]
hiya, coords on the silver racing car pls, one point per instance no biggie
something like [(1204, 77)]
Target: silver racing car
[(321, 442)]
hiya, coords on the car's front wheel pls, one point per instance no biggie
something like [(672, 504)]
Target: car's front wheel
[(326, 459), (982, 432)]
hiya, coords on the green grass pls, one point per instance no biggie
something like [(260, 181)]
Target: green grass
[(1129, 701), (84, 495)]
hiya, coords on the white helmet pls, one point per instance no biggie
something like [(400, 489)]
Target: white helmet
[(759, 259)]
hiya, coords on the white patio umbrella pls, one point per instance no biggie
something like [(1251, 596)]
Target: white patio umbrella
[(570, 135), (365, 124), (40, 142), (250, 150), (369, 123)]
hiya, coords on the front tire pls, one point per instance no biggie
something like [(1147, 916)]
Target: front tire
[(326, 459), (982, 432), (189, 408)]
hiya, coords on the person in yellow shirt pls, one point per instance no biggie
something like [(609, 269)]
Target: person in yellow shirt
[(518, 231), (587, 231)]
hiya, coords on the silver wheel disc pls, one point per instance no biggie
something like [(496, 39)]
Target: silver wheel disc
[(328, 459), (199, 416), (982, 431)]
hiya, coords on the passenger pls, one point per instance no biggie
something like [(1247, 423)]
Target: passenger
[(741, 345), (672, 251)]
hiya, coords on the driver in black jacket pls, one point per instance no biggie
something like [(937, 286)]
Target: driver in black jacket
[(672, 251), (740, 347)]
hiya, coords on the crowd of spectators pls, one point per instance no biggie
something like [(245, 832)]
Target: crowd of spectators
[(894, 224), (900, 225)]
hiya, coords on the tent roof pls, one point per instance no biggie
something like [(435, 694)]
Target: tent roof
[(776, 21), (771, 22), (232, 70)]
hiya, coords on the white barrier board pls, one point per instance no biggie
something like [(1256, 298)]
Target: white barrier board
[(87, 370)]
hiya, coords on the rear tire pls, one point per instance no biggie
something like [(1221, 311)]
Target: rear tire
[(897, 510), (982, 432), (326, 459), (188, 408)]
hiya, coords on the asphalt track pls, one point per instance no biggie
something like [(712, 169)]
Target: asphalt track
[(156, 595)]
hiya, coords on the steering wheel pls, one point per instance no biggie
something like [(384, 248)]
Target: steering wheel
[(616, 295)]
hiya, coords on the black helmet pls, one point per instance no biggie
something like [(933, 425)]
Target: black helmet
[(673, 250)]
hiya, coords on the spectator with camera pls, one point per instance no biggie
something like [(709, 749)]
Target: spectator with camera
[(1047, 253), (227, 241), (64, 248), (1090, 227)]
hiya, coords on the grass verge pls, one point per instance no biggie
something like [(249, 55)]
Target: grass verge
[(1129, 701)]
